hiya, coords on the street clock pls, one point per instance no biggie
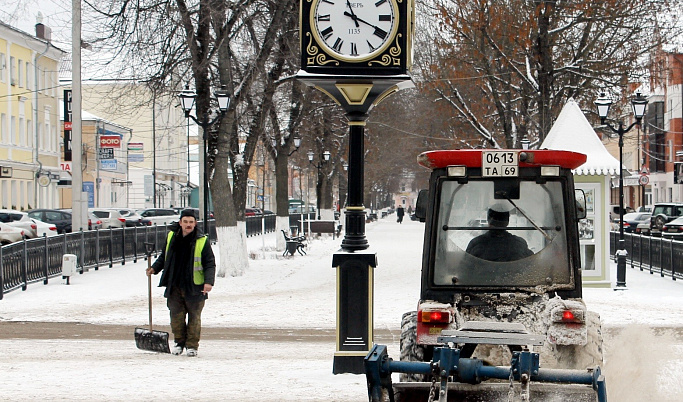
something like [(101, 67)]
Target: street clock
[(356, 37)]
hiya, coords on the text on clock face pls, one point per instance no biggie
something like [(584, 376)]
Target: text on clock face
[(354, 28)]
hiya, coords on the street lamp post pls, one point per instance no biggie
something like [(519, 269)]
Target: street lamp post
[(639, 104), (187, 100), (318, 166)]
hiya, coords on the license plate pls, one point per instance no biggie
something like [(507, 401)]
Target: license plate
[(499, 164)]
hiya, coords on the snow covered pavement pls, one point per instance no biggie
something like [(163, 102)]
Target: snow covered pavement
[(280, 296)]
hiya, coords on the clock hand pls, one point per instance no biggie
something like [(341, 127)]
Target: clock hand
[(352, 15), (355, 18)]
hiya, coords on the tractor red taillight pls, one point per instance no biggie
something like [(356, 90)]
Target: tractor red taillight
[(567, 316), (435, 317)]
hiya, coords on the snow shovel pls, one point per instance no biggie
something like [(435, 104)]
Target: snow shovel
[(154, 341)]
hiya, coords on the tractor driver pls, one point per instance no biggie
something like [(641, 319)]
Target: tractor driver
[(498, 244)]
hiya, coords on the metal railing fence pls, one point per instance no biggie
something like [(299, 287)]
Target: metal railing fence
[(656, 254), (40, 259)]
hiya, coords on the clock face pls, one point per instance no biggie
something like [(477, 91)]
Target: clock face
[(354, 30)]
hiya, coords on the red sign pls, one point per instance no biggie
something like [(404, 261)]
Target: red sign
[(110, 141), (67, 125)]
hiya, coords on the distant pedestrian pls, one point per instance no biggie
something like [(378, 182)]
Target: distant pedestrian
[(399, 213), (189, 272)]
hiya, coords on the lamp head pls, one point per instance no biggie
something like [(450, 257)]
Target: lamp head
[(326, 156), (310, 156), (603, 104), (639, 104), (297, 142), (223, 99), (187, 98)]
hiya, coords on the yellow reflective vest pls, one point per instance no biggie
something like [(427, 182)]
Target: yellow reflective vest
[(197, 269)]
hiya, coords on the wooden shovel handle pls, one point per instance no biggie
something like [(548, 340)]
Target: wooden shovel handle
[(149, 293)]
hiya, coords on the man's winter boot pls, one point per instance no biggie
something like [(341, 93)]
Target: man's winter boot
[(178, 349)]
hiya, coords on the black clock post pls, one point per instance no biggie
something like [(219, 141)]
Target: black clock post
[(333, 62)]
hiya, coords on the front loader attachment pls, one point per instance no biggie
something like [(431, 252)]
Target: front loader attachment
[(495, 392), (525, 380)]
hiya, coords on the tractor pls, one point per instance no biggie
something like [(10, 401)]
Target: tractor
[(500, 315)]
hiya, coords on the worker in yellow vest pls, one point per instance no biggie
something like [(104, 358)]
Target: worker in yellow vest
[(189, 272)]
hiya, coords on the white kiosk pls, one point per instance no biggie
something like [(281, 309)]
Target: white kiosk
[(573, 132)]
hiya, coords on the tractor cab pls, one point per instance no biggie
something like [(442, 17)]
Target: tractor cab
[(500, 221)]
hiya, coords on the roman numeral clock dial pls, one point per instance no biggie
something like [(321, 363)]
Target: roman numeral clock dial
[(354, 30)]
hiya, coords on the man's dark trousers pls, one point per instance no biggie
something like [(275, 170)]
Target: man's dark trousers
[(180, 307)]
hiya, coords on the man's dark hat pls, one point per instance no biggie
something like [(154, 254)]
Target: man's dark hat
[(497, 218), (189, 212)]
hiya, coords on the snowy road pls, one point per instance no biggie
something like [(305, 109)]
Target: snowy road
[(269, 335)]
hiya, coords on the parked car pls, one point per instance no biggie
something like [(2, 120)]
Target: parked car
[(159, 216), (133, 218), (44, 229), (19, 219), (633, 219), (662, 214), (111, 218), (10, 234), (614, 212), (93, 221), (673, 228), (251, 212), (644, 208), (60, 218), (643, 228)]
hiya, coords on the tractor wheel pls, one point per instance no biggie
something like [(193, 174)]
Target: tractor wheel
[(577, 357), (410, 350)]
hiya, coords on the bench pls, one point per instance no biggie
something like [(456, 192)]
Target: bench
[(294, 244), (324, 227)]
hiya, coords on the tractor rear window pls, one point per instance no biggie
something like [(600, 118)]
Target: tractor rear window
[(487, 237)]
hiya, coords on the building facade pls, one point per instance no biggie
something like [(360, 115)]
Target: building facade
[(663, 131), (29, 119), (155, 144)]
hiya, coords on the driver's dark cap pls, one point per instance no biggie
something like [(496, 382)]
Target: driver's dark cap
[(496, 218)]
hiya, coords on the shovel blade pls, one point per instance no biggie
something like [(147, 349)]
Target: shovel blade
[(154, 341)]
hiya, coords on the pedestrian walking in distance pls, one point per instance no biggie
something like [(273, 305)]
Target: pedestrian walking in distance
[(189, 271), (399, 213)]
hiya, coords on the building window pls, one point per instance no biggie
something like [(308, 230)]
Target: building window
[(22, 132), (29, 133), (22, 123), (656, 136), (5, 194), (12, 71), (13, 131), (46, 142), (3, 67), (20, 72), (4, 137), (28, 75)]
